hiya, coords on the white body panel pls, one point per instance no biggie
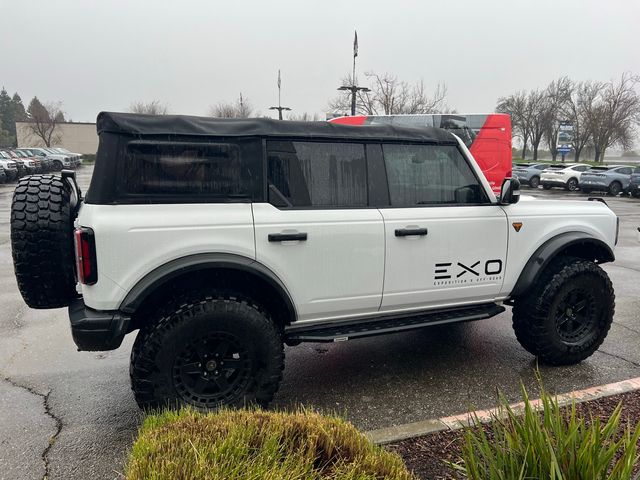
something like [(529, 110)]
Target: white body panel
[(429, 271), (133, 240), (338, 271), (544, 219)]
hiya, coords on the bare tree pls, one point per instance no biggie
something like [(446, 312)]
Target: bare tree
[(304, 117), (558, 92), (154, 107), (536, 115), (388, 95), (577, 109), (240, 108), (516, 106), (44, 120), (614, 117)]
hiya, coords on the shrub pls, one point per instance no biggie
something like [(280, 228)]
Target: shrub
[(549, 442), (244, 444)]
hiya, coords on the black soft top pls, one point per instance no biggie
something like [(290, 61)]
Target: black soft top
[(140, 124)]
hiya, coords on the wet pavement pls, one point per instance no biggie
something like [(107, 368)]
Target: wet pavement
[(83, 401)]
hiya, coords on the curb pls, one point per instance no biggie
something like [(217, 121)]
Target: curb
[(455, 422)]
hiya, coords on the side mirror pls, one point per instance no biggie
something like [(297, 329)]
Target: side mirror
[(510, 191)]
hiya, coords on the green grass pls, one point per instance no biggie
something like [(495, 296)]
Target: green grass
[(258, 445), (88, 159), (549, 443)]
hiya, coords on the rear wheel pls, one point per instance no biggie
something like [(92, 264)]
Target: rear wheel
[(42, 241), (210, 352), (567, 314), (615, 188), (572, 184), (534, 182)]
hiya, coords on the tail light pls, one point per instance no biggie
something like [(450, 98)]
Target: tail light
[(86, 265)]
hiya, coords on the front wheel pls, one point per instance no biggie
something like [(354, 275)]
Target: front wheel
[(567, 314), (546, 186), (207, 353), (534, 182)]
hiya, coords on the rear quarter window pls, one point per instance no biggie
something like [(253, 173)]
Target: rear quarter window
[(183, 171)]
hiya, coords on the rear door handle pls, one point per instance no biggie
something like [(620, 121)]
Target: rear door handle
[(406, 232), (287, 237)]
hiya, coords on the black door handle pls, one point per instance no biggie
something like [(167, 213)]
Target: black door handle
[(287, 237), (405, 232)]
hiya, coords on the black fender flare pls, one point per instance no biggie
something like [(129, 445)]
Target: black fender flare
[(202, 261), (598, 251)]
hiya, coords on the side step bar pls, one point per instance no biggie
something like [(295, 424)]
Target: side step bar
[(341, 331)]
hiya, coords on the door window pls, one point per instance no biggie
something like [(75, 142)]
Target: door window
[(430, 175), (316, 174)]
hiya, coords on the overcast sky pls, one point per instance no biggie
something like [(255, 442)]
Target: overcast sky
[(103, 55)]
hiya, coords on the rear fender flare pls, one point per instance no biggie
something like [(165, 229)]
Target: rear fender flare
[(203, 261)]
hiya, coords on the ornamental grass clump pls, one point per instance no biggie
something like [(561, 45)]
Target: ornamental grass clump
[(245, 444), (549, 442)]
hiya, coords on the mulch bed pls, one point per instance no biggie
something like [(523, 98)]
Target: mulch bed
[(427, 455)]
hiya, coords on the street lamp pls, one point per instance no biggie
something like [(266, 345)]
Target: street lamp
[(353, 88), (280, 108)]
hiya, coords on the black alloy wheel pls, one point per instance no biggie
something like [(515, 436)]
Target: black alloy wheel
[(211, 371), (575, 316)]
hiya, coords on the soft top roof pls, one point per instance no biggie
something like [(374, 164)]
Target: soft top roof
[(141, 124)]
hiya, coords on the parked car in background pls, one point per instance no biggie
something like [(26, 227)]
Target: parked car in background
[(565, 175), (46, 165), (529, 173), (9, 166), (613, 179), (3, 175), (31, 165), (20, 166), (634, 184), (76, 156), (60, 161)]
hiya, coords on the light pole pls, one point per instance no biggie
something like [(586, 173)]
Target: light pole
[(353, 88), (280, 108)]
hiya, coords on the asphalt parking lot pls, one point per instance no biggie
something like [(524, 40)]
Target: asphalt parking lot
[(83, 401)]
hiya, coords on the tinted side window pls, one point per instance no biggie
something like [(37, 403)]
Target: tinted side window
[(225, 170), (625, 170), (430, 175), (581, 168), (317, 174)]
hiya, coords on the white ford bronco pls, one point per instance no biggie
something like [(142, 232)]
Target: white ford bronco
[(222, 240)]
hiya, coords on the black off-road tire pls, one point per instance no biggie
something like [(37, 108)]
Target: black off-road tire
[(571, 292), (42, 241), (534, 182), (174, 362)]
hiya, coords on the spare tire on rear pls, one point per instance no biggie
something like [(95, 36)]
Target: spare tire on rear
[(42, 241)]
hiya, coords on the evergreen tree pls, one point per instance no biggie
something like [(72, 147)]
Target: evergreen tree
[(19, 112), (6, 139), (36, 109), (7, 114)]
